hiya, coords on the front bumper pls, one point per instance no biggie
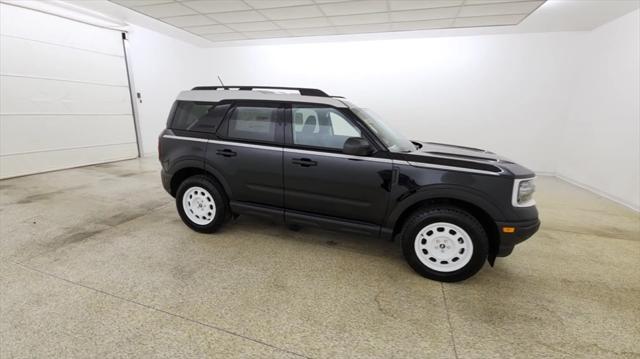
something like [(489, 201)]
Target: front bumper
[(523, 231)]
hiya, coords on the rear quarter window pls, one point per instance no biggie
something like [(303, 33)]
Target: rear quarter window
[(198, 116)]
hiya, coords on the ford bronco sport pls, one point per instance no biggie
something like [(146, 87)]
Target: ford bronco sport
[(302, 157)]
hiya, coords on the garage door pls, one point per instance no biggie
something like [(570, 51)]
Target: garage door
[(64, 94)]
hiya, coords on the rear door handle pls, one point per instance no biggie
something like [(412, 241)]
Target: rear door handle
[(226, 153), (304, 162)]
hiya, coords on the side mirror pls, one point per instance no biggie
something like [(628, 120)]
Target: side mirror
[(357, 146)]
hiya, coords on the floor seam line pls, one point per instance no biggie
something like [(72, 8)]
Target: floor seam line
[(258, 341), (446, 309)]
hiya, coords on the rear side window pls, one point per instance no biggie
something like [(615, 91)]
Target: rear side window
[(253, 123), (197, 116)]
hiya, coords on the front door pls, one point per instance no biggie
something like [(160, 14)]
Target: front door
[(319, 179)]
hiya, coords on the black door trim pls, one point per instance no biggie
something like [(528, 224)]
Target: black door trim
[(305, 219), (264, 211), (293, 217)]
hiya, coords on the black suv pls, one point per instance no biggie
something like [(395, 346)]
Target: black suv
[(302, 157)]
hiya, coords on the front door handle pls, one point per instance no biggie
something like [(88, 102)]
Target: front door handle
[(304, 162), (226, 153)]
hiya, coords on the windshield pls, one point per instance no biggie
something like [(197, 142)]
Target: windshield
[(394, 141)]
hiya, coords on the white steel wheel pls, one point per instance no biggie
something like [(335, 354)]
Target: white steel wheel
[(443, 247), (198, 205)]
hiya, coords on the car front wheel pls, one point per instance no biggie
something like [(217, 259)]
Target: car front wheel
[(446, 244)]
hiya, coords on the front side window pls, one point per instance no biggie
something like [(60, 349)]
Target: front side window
[(196, 116), (321, 127), (253, 123), (394, 141)]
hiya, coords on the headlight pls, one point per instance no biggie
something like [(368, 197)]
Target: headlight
[(523, 192)]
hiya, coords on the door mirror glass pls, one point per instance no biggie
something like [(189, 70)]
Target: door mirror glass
[(357, 146)]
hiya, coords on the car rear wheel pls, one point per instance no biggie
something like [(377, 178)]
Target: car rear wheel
[(444, 243), (201, 204)]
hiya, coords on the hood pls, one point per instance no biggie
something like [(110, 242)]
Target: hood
[(454, 157), (459, 152)]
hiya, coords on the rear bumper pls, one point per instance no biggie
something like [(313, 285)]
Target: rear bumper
[(166, 181), (523, 231)]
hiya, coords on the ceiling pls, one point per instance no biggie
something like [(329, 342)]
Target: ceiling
[(220, 21)]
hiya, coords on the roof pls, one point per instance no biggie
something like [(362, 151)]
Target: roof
[(219, 95)]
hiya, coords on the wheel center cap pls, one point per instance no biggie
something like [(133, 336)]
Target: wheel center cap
[(442, 246)]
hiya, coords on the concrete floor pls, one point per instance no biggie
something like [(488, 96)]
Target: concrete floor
[(96, 263)]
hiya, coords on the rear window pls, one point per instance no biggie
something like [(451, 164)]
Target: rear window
[(253, 123), (197, 116)]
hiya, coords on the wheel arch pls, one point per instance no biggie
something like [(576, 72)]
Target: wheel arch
[(190, 169), (478, 207)]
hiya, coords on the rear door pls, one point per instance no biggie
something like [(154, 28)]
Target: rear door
[(247, 153), (319, 179)]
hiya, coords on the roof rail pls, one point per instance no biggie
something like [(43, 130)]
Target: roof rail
[(303, 91)]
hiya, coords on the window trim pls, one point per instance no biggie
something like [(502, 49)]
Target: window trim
[(223, 129), (212, 131), (172, 114), (348, 115)]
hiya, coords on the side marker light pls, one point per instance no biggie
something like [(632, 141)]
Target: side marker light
[(508, 229)]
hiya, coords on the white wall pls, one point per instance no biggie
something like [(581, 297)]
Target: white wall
[(601, 141), (162, 67), (505, 93), (555, 102)]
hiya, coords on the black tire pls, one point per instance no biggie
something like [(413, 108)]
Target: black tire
[(447, 214), (218, 197)]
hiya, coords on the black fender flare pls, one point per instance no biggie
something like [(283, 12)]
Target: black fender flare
[(178, 165), (199, 164), (208, 168), (185, 162), (460, 193)]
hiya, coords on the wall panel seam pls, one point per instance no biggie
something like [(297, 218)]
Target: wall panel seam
[(61, 80), (60, 45), (66, 148)]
